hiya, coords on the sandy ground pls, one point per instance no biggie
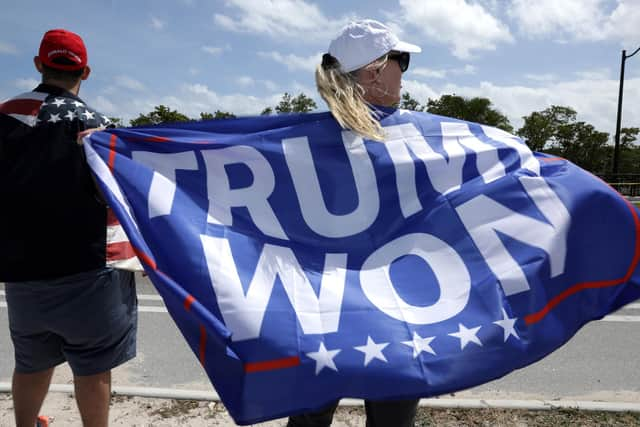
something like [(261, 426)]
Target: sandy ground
[(151, 412), (146, 412)]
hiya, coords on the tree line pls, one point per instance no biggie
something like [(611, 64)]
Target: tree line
[(554, 130)]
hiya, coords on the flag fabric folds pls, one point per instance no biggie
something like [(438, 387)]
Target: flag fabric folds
[(303, 264)]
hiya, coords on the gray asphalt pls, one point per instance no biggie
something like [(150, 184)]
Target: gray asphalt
[(600, 363)]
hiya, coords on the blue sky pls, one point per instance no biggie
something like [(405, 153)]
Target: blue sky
[(242, 55)]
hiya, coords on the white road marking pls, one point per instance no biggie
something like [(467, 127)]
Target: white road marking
[(617, 318), (163, 309), (146, 297)]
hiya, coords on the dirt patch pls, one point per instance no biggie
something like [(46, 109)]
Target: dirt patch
[(177, 408)]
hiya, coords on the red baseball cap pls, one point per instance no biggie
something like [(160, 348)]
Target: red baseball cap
[(62, 44)]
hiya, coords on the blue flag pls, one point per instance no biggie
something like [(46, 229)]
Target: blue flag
[(303, 264)]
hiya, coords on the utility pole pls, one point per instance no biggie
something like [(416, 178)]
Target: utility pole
[(616, 149)]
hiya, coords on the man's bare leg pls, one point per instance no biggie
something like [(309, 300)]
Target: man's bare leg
[(93, 394), (28, 392)]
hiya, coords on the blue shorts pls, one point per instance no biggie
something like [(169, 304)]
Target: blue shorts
[(88, 319)]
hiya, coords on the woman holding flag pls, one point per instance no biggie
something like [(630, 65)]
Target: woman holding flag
[(363, 70)]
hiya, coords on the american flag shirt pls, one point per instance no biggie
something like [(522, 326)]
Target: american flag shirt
[(53, 222)]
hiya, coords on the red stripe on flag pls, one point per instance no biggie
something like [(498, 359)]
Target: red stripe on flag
[(156, 139), (188, 301), (120, 250), (27, 107), (271, 365), (148, 139), (551, 159), (636, 257), (203, 344), (146, 259), (112, 219), (112, 152), (539, 315)]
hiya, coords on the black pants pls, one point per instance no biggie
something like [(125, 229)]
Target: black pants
[(382, 413)]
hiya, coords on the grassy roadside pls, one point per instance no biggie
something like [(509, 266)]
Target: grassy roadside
[(524, 418), (186, 412)]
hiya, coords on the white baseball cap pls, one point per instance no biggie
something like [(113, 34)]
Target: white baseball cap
[(362, 42)]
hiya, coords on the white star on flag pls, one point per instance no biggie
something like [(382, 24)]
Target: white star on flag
[(54, 118), (88, 115), (324, 358), (467, 335), (70, 115), (78, 104), (508, 324), (420, 344), (58, 102), (372, 351)]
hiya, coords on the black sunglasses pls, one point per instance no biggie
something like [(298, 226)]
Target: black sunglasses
[(402, 58)]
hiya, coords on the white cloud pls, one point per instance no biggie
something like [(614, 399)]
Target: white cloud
[(272, 86), (248, 81), (157, 23), (26, 84), (464, 26), (428, 73), (245, 81), (189, 99), (441, 74), (212, 50), (7, 48), (624, 23), (105, 106), (291, 19), (597, 74), (577, 19), (594, 100), (195, 98), (129, 83), (298, 88), (294, 62), (225, 22), (546, 77), (421, 92), (466, 70)]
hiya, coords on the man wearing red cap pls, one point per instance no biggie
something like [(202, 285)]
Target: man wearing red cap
[(64, 303)]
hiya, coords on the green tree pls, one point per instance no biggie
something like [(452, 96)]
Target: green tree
[(556, 130), (582, 144), (476, 109), (160, 114), (116, 121), (629, 156), (299, 104), (267, 111), (217, 115), (409, 103), (540, 127), (628, 136)]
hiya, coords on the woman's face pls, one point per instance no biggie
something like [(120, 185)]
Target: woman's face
[(382, 85)]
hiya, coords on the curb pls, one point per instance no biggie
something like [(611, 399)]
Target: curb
[(534, 405)]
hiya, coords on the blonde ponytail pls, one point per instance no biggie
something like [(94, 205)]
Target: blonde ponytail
[(345, 98)]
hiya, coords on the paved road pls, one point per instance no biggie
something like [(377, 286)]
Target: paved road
[(600, 363)]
